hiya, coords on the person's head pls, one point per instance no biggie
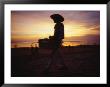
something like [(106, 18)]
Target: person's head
[(57, 18)]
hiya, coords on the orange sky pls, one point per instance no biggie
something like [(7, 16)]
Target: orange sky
[(29, 26)]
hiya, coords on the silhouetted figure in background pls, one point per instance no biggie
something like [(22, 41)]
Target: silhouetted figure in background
[(57, 38)]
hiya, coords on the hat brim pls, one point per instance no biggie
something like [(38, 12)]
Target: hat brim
[(57, 17)]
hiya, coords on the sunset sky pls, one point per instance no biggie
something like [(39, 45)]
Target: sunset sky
[(29, 26)]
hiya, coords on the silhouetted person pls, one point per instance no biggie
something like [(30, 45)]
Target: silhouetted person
[(57, 38), (58, 31)]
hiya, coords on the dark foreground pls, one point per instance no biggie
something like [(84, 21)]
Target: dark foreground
[(80, 61)]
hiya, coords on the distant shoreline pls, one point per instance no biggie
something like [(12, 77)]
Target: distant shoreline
[(64, 46)]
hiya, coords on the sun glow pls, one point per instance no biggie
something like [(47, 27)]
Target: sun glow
[(75, 30), (31, 26)]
